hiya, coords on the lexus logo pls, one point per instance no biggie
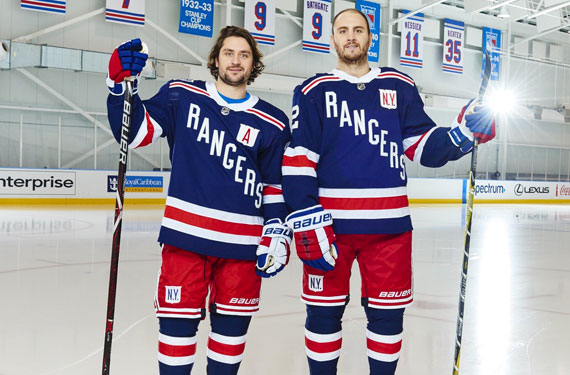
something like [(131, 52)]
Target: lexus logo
[(520, 189)]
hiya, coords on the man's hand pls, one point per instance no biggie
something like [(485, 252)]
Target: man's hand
[(314, 237), (126, 60), (274, 248)]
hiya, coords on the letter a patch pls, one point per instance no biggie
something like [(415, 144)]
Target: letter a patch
[(247, 135), (388, 99)]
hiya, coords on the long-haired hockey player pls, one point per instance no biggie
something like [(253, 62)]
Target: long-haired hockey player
[(222, 227)]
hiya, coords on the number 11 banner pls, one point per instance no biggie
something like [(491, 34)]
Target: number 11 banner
[(260, 20), (453, 36), (411, 46), (317, 26)]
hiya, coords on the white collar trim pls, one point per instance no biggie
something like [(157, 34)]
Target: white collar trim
[(373, 73), (214, 94)]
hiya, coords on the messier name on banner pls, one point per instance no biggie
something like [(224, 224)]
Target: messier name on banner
[(318, 5), (413, 25)]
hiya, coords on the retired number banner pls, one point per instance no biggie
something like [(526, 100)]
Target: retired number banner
[(260, 20), (411, 46), (130, 12), (50, 6), (453, 37), (317, 26)]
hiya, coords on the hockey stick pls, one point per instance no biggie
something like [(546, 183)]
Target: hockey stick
[(118, 222), (468, 221)]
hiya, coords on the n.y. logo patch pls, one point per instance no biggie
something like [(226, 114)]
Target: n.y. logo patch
[(316, 283), (388, 99), (173, 294)]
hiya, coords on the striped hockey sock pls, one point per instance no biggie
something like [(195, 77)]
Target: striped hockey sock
[(384, 339), (323, 338), (226, 344), (176, 345)]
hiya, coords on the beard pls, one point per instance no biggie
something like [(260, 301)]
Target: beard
[(360, 57), (227, 78)]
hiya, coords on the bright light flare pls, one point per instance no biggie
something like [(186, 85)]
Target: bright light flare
[(501, 100)]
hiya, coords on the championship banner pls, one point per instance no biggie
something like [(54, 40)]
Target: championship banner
[(49, 6), (372, 12), (317, 25), (260, 20), (130, 12), (453, 36), (196, 17), (411, 45), (492, 43)]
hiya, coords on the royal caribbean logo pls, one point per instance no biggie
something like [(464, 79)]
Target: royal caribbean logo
[(138, 184)]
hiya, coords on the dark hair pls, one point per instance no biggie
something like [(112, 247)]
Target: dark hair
[(355, 11), (242, 33)]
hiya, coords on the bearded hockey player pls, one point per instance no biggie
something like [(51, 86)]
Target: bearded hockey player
[(222, 227), (344, 177)]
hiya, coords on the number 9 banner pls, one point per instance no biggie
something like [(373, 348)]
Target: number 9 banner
[(453, 37), (317, 26), (260, 20)]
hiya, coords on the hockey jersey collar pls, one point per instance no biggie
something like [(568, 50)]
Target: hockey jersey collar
[(373, 73), (249, 103)]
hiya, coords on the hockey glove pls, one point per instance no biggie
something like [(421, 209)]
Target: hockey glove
[(314, 237), (126, 60), (274, 248), (474, 120)]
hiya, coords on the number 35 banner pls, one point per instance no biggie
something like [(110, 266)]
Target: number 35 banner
[(260, 20), (453, 36), (317, 26), (411, 46)]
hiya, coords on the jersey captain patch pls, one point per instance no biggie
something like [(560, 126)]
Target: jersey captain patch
[(388, 99), (247, 135)]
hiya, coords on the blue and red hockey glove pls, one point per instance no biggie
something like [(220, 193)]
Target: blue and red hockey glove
[(127, 60), (314, 237), (274, 248), (475, 120)]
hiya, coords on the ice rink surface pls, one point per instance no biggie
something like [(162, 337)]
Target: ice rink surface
[(54, 269)]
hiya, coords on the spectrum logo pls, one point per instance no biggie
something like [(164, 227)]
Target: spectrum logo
[(489, 189), (137, 184)]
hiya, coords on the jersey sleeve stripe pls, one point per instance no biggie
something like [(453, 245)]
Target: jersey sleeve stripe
[(302, 151), (414, 152), (188, 87), (316, 82), (149, 132), (299, 161), (264, 116), (298, 171), (397, 76), (272, 194)]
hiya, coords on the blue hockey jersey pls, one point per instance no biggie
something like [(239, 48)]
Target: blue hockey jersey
[(226, 165), (349, 138)]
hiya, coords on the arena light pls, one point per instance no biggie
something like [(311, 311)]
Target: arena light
[(502, 100)]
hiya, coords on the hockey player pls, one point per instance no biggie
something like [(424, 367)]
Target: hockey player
[(224, 208), (344, 177)]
